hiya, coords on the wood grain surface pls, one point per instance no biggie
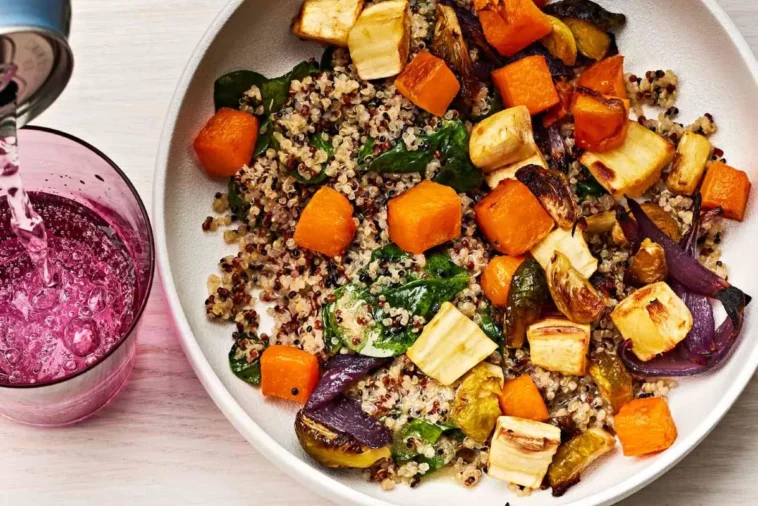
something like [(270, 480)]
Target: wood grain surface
[(162, 441)]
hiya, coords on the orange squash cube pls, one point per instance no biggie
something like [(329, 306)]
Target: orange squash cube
[(427, 215), (728, 188), (428, 83), (605, 77), (527, 82), (288, 373), (497, 277), (512, 25), (521, 398), (326, 225), (512, 219), (645, 426), (227, 142), (600, 123)]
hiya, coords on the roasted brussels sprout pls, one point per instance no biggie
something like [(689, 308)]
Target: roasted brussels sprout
[(591, 41), (553, 191), (663, 220), (588, 11), (612, 379), (648, 265), (476, 407), (573, 457), (525, 300), (335, 449), (448, 43), (561, 43), (601, 223), (573, 294)]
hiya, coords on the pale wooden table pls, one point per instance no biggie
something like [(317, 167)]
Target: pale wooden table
[(163, 441)]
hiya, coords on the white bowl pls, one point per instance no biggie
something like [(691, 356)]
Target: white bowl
[(718, 74)]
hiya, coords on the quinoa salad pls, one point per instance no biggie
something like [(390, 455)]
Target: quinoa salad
[(488, 249)]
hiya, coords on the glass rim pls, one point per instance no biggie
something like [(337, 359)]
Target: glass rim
[(151, 242)]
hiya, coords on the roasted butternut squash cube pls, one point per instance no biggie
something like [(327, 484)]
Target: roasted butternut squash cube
[(512, 219), (512, 25), (654, 318), (327, 21), (527, 82), (632, 168), (497, 277), (427, 215), (326, 225), (227, 142), (645, 426), (429, 83), (728, 188), (687, 170)]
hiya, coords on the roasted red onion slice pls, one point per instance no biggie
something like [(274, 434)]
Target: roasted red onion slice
[(329, 406), (341, 372)]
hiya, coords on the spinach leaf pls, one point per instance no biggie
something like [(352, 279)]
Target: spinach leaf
[(237, 205), (404, 448), (318, 142), (400, 160), (228, 89), (492, 329), (389, 253), (423, 297), (588, 186), (450, 141), (265, 138), (244, 368)]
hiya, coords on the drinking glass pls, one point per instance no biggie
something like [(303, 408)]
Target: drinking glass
[(60, 164)]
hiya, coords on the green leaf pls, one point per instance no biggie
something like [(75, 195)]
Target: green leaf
[(457, 171), (488, 325), (318, 142), (229, 89), (440, 266), (237, 205), (389, 253), (400, 160), (265, 137), (246, 370), (419, 429), (588, 186)]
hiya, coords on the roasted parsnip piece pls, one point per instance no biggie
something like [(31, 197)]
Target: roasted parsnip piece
[(327, 21), (509, 171), (654, 318), (379, 41), (633, 167), (688, 168), (450, 345), (503, 139), (522, 450), (560, 345), (572, 244)]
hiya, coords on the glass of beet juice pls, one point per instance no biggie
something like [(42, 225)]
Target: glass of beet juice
[(72, 291)]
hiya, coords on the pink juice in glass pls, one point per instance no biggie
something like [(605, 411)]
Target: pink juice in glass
[(67, 280)]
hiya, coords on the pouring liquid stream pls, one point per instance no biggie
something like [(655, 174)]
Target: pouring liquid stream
[(25, 222)]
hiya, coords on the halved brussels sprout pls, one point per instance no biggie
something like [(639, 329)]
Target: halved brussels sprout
[(335, 449), (525, 300), (561, 42), (573, 294), (476, 407), (612, 379), (573, 457), (648, 265), (663, 220), (353, 322), (553, 191), (591, 41)]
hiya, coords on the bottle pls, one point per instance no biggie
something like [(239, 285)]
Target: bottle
[(34, 36)]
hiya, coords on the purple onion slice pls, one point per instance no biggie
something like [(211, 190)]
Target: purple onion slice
[(341, 372), (345, 415)]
